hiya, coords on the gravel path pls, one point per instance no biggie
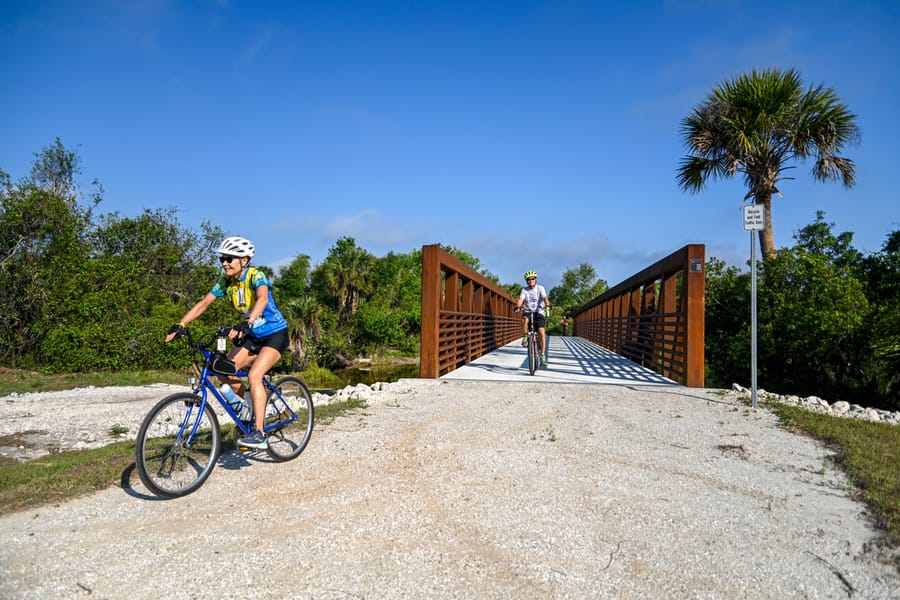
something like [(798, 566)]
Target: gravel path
[(464, 490)]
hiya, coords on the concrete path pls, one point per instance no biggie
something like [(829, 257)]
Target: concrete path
[(569, 360)]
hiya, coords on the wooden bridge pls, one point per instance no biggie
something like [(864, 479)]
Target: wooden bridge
[(650, 326)]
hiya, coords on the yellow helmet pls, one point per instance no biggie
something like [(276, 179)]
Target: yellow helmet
[(529, 275)]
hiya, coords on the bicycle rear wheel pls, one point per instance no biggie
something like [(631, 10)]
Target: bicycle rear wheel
[(289, 418), (532, 354), (177, 445)]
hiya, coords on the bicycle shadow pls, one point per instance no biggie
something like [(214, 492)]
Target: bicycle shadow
[(129, 479), (230, 459)]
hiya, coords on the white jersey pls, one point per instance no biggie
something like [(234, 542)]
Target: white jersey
[(533, 297)]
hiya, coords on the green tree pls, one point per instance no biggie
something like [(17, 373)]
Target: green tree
[(304, 326), (344, 278), (823, 327), (727, 338), (139, 277), (757, 125), (811, 315), (812, 326), (577, 286), (86, 293), (293, 280), (390, 319), (42, 241), (300, 307), (54, 170), (882, 272), (179, 262)]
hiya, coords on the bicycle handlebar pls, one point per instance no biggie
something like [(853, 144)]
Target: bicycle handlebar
[(185, 331), (217, 361)]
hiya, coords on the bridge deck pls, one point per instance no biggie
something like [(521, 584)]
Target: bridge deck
[(569, 360)]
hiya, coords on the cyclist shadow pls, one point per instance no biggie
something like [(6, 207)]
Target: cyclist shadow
[(233, 459)]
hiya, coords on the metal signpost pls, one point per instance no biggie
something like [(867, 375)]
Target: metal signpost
[(754, 220)]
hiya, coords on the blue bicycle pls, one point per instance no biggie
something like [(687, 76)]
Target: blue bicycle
[(180, 440)]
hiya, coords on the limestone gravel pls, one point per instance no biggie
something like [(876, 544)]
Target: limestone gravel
[(459, 489)]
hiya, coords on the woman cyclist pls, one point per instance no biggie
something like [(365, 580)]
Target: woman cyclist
[(261, 336), (534, 296)]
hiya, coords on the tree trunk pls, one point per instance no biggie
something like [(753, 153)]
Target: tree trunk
[(767, 233)]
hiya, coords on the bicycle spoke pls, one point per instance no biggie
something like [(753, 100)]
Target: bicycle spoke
[(289, 418), (177, 446)]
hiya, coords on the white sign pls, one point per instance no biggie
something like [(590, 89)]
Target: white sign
[(754, 217)]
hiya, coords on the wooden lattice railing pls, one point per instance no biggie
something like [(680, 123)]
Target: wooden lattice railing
[(464, 314), (655, 318)]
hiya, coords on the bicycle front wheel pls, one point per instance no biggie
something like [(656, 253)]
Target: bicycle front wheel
[(532, 354), (177, 445), (289, 418)]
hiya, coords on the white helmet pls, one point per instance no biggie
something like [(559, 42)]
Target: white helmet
[(236, 246)]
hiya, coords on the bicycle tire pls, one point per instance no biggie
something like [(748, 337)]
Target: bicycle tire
[(167, 465), (532, 354), (287, 441)]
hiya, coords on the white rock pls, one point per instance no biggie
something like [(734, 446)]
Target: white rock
[(872, 415), (841, 407)]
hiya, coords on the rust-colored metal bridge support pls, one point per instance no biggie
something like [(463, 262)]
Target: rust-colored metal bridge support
[(655, 318), (464, 314)]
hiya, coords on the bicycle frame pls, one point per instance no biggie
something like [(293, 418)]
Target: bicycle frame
[(206, 385)]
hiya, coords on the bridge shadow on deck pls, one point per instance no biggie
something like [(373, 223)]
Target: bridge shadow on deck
[(569, 360)]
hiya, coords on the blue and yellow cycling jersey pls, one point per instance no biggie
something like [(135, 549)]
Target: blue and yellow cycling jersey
[(243, 296)]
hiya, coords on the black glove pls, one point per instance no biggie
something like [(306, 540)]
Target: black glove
[(243, 328), (177, 329)]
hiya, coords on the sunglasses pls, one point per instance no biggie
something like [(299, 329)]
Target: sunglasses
[(227, 259), (531, 279)]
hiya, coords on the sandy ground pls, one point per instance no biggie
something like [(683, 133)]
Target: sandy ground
[(459, 489)]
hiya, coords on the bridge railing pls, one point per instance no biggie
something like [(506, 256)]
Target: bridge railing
[(654, 318), (464, 314)]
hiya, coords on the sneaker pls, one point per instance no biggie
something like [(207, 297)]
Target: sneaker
[(543, 360), (524, 341), (255, 440)]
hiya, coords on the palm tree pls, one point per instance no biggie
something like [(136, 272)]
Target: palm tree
[(756, 125), (346, 274), (303, 326)]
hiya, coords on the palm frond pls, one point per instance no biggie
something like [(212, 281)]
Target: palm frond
[(835, 168)]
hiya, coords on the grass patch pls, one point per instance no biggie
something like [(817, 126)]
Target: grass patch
[(327, 413), (869, 453), (62, 476)]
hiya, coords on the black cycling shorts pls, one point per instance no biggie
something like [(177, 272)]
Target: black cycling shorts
[(278, 340), (539, 320)]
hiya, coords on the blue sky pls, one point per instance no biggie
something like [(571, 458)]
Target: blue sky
[(531, 134)]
